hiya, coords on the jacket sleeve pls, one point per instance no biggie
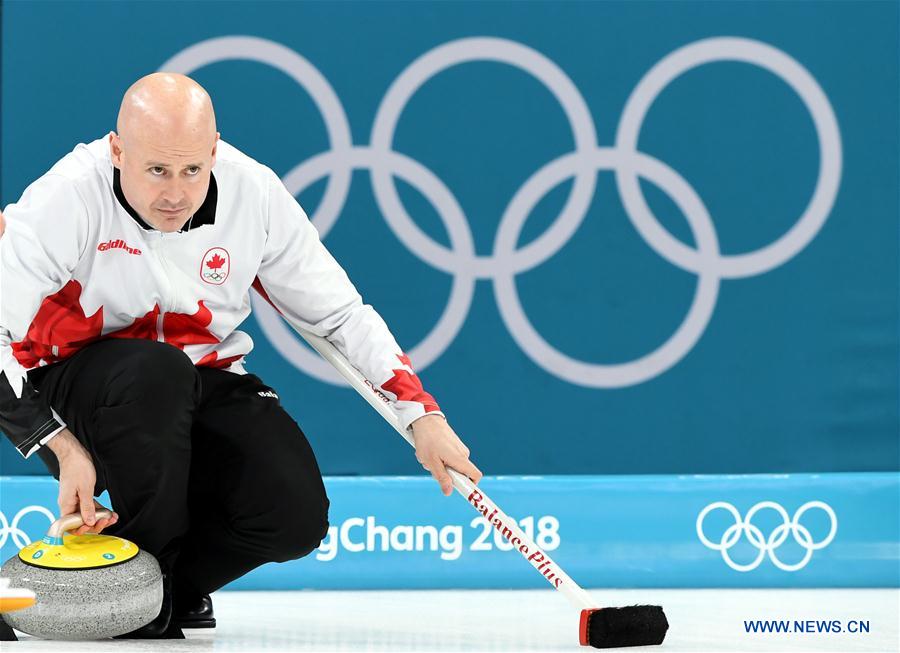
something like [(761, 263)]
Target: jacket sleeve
[(302, 280), (45, 235)]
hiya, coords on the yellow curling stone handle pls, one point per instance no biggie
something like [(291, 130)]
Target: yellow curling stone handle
[(59, 550)]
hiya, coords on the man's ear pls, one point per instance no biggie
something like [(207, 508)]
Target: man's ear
[(215, 148), (115, 149)]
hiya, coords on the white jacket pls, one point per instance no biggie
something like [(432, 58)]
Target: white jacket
[(77, 263)]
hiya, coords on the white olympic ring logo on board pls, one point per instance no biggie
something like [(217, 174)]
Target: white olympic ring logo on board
[(776, 538), (582, 164), (19, 537)]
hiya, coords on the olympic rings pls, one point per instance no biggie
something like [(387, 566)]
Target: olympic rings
[(776, 538), (506, 261), (20, 537)]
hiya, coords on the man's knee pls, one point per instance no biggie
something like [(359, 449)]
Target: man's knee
[(300, 540), (152, 373), (301, 523)]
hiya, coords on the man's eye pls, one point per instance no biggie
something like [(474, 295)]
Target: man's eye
[(193, 170), (157, 170)]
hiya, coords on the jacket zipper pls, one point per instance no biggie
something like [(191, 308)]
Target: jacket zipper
[(161, 256)]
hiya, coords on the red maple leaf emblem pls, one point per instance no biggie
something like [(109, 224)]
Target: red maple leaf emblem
[(408, 387), (215, 262), (60, 321), (61, 328), (182, 329)]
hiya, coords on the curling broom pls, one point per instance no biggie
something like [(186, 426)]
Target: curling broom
[(635, 625)]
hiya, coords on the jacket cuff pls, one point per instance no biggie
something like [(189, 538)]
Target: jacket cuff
[(42, 435), (409, 411)]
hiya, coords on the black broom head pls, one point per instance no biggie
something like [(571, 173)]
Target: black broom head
[(634, 625)]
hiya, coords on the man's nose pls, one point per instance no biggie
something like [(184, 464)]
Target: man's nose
[(173, 193)]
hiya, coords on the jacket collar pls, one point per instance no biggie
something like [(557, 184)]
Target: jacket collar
[(206, 214)]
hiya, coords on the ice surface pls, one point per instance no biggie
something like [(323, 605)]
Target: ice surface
[(497, 620)]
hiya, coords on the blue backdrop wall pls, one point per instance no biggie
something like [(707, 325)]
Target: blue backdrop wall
[(634, 237)]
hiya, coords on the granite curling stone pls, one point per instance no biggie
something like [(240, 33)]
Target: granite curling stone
[(88, 586)]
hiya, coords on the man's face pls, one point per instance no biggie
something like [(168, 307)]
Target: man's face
[(164, 178)]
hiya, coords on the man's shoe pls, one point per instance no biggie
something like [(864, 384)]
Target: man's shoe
[(163, 626), (6, 632), (197, 613)]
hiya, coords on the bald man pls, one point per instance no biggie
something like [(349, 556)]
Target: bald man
[(126, 270)]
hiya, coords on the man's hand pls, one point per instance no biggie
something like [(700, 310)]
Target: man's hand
[(100, 524), (437, 447), (76, 482)]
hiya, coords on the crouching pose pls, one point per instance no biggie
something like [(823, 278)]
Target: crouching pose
[(125, 271)]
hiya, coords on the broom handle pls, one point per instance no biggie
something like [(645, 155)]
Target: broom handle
[(474, 495)]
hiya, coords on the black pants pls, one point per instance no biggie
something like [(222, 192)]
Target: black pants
[(206, 473)]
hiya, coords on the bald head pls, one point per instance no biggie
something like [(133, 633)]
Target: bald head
[(166, 103), (165, 148)]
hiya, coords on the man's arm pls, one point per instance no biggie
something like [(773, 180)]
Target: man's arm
[(312, 291), (18, 300), (46, 232), (77, 478)]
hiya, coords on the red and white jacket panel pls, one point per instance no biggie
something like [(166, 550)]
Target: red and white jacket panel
[(78, 264)]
